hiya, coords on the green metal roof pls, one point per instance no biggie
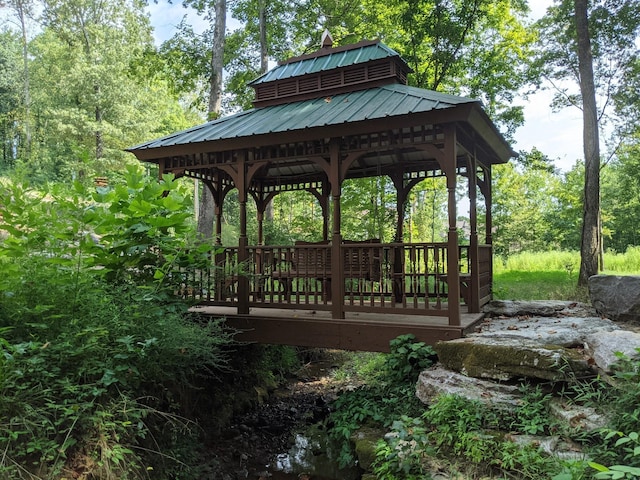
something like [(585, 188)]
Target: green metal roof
[(388, 101), (335, 58)]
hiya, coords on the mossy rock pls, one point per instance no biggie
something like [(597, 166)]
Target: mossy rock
[(508, 359), (365, 441)]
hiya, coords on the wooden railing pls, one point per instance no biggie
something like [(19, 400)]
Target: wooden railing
[(376, 277)]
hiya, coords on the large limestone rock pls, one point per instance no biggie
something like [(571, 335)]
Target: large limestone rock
[(603, 347), (616, 297), (578, 417), (542, 308), (509, 359), (438, 381), (562, 331)]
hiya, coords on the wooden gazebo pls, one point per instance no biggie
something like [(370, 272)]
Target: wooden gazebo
[(320, 119)]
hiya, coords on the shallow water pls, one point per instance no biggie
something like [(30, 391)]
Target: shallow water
[(313, 455)]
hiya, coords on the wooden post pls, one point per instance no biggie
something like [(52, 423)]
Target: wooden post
[(453, 258), (474, 283), (398, 252), (337, 283), (243, 255)]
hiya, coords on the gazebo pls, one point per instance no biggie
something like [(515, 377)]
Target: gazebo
[(319, 120)]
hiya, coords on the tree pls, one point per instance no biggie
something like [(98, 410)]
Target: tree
[(477, 48), (589, 45), (92, 93), (590, 245), (524, 194), (11, 99)]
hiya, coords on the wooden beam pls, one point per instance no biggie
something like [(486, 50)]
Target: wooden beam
[(345, 335)]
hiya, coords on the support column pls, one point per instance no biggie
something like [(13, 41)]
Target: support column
[(402, 192), (453, 257), (474, 260), (337, 280), (243, 254)]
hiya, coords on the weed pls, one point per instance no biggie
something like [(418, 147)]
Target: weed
[(405, 451)]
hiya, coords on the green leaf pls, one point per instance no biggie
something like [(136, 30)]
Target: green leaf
[(597, 466)]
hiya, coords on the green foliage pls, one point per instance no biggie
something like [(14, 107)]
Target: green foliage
[(630, 451), (404, 452), (408, 358), (95, 348), (389, 396), (532, 416)]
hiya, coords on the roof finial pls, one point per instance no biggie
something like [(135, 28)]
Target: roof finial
[(327, 39)]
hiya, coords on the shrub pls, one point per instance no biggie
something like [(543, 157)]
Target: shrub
[(95, 349)]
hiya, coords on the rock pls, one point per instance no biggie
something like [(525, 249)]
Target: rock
[(603, 347), (509, 358), (562, 331), (365, 441), (552, 446), (514, 308), (438, 381), (616, 297), (585, 419)]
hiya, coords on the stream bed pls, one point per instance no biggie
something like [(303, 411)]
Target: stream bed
[(313, 455), (284, 438)]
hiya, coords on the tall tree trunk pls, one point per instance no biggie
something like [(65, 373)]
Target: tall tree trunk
[(21, 8), (264, 66), (217, 58), (589, 247), (206, 211)]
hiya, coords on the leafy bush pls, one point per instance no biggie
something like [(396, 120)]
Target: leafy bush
[(405, 451), (95, 349), (389, 397)]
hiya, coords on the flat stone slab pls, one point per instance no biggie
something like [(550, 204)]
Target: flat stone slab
[(586, 419), (562, 331), (616, 297), (542, 308), (438, 381), (501, 358), (603, 347)]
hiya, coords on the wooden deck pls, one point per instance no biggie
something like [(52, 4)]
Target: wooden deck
[(357, 331)]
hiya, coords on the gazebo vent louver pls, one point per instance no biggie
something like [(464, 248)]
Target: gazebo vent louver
[(330, 71)]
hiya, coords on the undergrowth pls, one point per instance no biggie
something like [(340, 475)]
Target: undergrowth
[(96, 352)]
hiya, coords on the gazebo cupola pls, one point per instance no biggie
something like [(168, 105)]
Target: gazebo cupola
[(330, 71)]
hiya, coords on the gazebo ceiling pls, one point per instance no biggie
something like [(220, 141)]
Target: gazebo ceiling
[(378, 117)]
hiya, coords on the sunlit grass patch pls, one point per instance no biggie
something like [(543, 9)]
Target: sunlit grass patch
[(537, 285)]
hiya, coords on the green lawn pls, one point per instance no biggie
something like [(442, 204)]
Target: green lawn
[(553, 275), (537, 285)]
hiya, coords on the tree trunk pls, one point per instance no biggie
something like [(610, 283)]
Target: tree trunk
[(264, 66), (217, 58), (21, 12), (589, 248), (206, 211)]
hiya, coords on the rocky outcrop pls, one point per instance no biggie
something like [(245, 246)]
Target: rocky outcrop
[(439, 381), (509, 359), (605, 347), (565, 331), (579, 417), (543, 308), (545, 348), (616, 297)]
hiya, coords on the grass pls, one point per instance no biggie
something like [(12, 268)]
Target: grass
[(553, 275), (523, 285)]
